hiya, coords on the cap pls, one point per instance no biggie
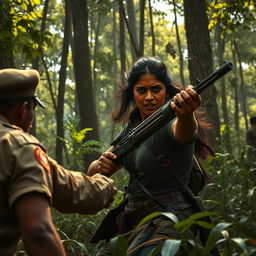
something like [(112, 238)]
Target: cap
[(19, 84)]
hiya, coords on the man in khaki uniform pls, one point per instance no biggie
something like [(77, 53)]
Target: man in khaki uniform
[(30, 181)]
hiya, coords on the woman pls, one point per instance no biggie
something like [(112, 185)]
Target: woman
[(152, 187)]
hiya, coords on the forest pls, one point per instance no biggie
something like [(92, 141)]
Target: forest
[(83, 50)]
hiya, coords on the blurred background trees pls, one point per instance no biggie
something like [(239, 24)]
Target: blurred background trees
[(83, 49)]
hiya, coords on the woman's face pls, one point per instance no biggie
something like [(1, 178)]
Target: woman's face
[(149, 95)]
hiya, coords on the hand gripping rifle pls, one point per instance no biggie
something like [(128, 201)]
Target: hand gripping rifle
[(162, 116)]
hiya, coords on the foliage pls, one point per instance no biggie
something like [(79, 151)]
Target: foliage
[(19, 25), (232, 13), (76, 145), (231, 196), (233, 183)]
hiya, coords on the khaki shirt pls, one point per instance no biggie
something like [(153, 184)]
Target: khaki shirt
[(25, 167)]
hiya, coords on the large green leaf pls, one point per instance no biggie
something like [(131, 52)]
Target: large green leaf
[(153, 215), (171, 247), (215, 235)]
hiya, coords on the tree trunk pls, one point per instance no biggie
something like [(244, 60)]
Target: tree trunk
[(152, 29), (234, 82), (242, 89), (133, 26), (122, 15), (122, 41), (220, 49), (141, 32), (179, 45), (61, 89), (6, 51), (200, 59), (113, 126), (35, 61), (82, 71), (96, 44)]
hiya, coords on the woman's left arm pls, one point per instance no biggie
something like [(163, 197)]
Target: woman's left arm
[(105, 165), (184, 104)]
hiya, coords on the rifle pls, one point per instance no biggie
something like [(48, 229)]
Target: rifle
[(161, 117)]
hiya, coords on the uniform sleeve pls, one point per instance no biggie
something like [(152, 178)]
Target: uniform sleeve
[(28, 175), (77, 192), (67, 191)]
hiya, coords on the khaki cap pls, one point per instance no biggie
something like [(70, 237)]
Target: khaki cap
[(16, 83)]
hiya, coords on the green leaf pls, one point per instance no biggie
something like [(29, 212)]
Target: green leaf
[(80, 245), (204, 224), (200, 215), (119, 246), (170, 216), (213, 202), (241, 242), (171, 247), (193, 219), (215, 235), (153, 215), (148, 218)]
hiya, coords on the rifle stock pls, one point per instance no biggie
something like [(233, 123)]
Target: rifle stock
[(162, 116)]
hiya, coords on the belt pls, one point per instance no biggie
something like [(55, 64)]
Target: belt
[(176, 198)]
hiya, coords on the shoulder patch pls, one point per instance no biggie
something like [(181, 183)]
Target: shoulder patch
[(42, 159)]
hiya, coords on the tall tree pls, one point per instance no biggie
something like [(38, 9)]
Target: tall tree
[(152, 31), (61, 88), (122, 40), (82, 70), (138, 48), (220, 40), (179, 43), (115, 60), (234, 82), (200, 58), (141, 31), (242, 86), (35, 61), (133, 26)]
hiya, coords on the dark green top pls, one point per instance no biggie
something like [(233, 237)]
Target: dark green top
[(143, 166)]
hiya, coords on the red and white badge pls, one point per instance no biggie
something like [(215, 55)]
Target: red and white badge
[(42, 159)]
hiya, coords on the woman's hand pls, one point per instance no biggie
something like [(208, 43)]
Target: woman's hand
[(186, 102), (104, 165)]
